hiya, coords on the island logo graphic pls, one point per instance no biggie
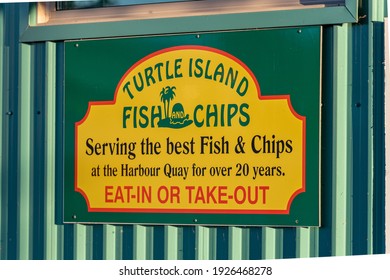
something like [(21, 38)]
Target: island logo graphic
[(177, 118)]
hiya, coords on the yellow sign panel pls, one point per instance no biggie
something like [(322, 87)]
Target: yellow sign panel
[(189, 131)]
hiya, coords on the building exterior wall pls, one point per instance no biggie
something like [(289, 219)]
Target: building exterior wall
[(352, 161)]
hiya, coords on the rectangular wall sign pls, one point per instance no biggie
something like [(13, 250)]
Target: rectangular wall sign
[(211, 129)]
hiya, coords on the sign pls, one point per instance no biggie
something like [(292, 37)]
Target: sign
[(189, 135)]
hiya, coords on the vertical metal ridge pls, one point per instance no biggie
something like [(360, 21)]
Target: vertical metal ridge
[(238, 243), (327, 115), (342, 156), (245, 253), (235, 243), (83, 242), (24, 195), (303, 240), (272, 240), (377, 12), (65, 236), (142, 239), (139, 241), (4, 159), (110, 243), (205, 247), (307, 242), (173, 243), (371, 104), (51, 229), (119, 242)]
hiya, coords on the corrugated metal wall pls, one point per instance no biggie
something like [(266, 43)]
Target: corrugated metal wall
[(31, 174)]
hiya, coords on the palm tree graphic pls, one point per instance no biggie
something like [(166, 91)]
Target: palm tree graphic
[(177, 118), (167, 94)]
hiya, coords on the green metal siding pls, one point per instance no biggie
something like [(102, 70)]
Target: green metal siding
[(31, 174)]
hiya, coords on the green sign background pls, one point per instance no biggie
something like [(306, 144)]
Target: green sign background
[(284, 61)]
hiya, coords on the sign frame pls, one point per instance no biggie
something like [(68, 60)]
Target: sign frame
[(75, 208)]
